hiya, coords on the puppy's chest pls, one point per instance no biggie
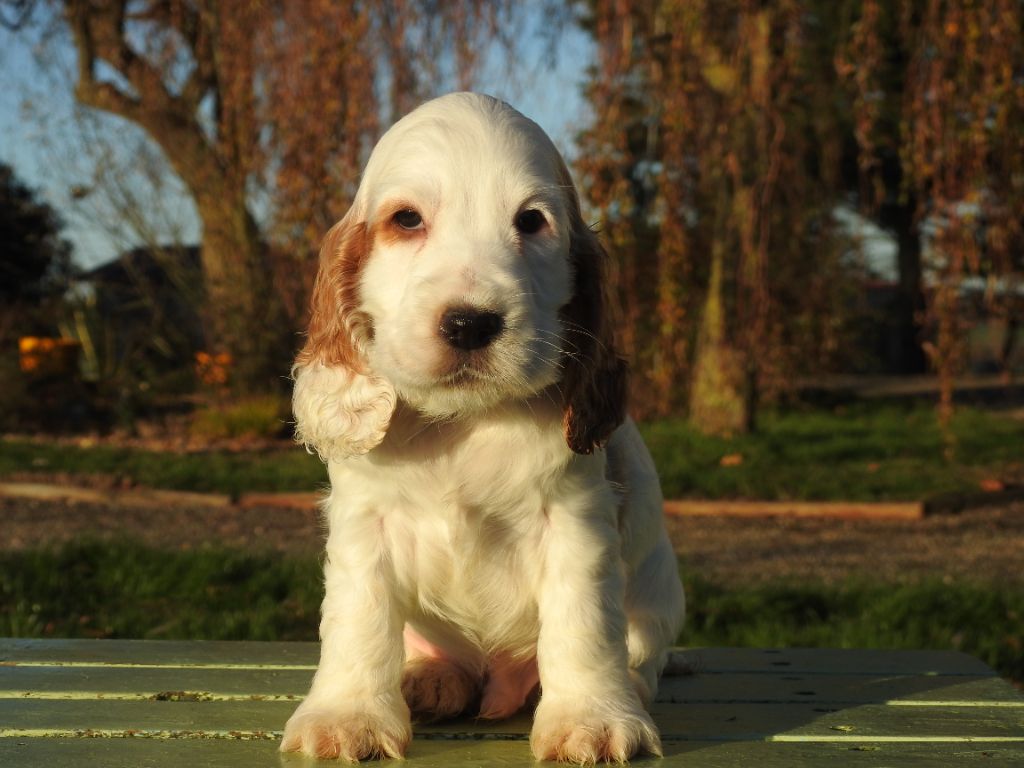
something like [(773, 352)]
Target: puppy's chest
[(464, 517), (474, 567)]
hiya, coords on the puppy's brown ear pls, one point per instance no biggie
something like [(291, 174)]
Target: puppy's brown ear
[(335, 334), (341, 408), (594, 384)]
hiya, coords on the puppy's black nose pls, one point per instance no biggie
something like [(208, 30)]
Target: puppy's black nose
[(467, 328)]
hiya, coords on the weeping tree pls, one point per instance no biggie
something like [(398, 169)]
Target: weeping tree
[(711, 163), (939, 93), (724, 136), (269, 102)]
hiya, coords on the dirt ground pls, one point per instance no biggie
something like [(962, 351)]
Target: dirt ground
[(985, 544), (980, 544)]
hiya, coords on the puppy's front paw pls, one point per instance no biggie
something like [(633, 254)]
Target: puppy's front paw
[(348, 734), (589, 732)]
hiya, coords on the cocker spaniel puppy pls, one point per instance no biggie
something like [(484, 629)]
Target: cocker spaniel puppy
[(495, 520)]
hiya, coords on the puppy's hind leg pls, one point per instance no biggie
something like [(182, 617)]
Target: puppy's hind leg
[(655, 610), (434, 685)]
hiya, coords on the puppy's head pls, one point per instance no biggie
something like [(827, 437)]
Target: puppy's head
[(462, 276)]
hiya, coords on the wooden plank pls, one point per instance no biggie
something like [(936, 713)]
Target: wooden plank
[(48, 492), (868, 722), (840, 690), (828, 661), (696, 754), (133, 496), (841, 510), (281, 655), (133, 753), (236, 719), (163, 753), (873, 722), (33, 718), (793, 707), (212, 683), (161, 653), (202, 683), (304, 501)]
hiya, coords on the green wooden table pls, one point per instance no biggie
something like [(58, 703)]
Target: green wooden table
[(146, 703)]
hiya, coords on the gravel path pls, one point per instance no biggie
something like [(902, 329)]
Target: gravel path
[(985, 544)]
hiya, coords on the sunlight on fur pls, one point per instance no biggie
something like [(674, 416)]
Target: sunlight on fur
[(495, 521)]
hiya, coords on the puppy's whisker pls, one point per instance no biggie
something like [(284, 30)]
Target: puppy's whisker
[(564, 341)]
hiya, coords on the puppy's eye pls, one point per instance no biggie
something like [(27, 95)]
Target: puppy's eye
[(407, 218), (530, 221)]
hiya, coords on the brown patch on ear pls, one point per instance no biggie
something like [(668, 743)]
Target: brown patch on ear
[(335, 325), (594, 385)]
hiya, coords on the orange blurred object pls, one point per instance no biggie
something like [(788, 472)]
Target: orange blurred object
[(46, 356), (214, 369)]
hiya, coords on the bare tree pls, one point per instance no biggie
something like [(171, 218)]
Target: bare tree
[(282, 98)]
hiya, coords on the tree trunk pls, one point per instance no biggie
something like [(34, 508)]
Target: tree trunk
[(899, 216), (1006, 349), (910, 302), (240, 316), (239, 312), (716, 400)]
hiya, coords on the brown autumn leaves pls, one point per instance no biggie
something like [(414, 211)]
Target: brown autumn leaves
[(724, 136)]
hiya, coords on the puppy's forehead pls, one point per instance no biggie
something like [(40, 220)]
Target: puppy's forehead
[(462, 137)]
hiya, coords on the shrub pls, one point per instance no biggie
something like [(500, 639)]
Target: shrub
[(252, 417)]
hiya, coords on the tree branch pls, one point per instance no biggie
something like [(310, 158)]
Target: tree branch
[(191, 30), (98, 33), (20, 12)]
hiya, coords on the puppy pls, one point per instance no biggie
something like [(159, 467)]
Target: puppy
[(495, 520)]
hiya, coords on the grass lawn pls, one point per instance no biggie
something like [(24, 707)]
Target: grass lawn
[(215, 472), (123, 590), (862, 452)]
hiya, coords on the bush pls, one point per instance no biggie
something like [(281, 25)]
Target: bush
[(54, 403), (15, 399), (252, 417)]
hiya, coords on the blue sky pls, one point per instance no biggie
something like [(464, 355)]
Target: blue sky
[(41, 136)]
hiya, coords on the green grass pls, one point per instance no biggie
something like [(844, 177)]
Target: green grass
[(124, 590), (864, 452), (222, 472), (265, 416), (984, 620)]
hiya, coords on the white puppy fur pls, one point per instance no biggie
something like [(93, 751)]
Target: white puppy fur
[(494, 519)]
